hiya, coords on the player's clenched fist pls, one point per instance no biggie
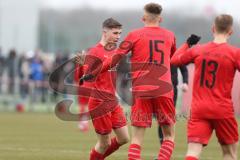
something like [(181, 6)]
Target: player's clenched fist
[(193, 39)]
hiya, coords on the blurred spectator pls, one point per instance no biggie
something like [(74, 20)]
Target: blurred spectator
[(24, 74), (69, 77), (36, 76), (58, 61), (2, 65), (11, 70), (47, 68)]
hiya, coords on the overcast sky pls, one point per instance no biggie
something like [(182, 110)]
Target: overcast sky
[(191, 6)]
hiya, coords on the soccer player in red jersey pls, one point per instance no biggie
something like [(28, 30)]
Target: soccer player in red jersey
[(151, 46), (114, 119), (212, 109)]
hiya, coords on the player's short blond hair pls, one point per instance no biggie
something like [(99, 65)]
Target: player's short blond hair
[(223, 23), (153, 8), (153, 11)]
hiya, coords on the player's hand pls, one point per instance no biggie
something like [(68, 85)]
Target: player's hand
[(193, 39), (184, 87), (85, 78), (80, 58)]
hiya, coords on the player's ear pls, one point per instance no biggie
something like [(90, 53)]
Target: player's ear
[(105, 31), (160, 19), (230, 32), (143, 18), (213, 29)]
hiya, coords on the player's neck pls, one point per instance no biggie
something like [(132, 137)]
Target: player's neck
[(220, 38), (103, 42), (151, 24)]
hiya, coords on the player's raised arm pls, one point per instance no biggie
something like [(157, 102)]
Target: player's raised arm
[(179, 54), (122, 50), (184, 54), (112, 61)]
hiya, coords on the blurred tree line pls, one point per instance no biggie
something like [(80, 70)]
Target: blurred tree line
[(78, 29)]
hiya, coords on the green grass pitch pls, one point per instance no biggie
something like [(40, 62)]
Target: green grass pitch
[(42, 136)]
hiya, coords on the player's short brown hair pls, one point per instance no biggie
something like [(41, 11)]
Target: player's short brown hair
[(153, 8), (223, 23), (111, 23)]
